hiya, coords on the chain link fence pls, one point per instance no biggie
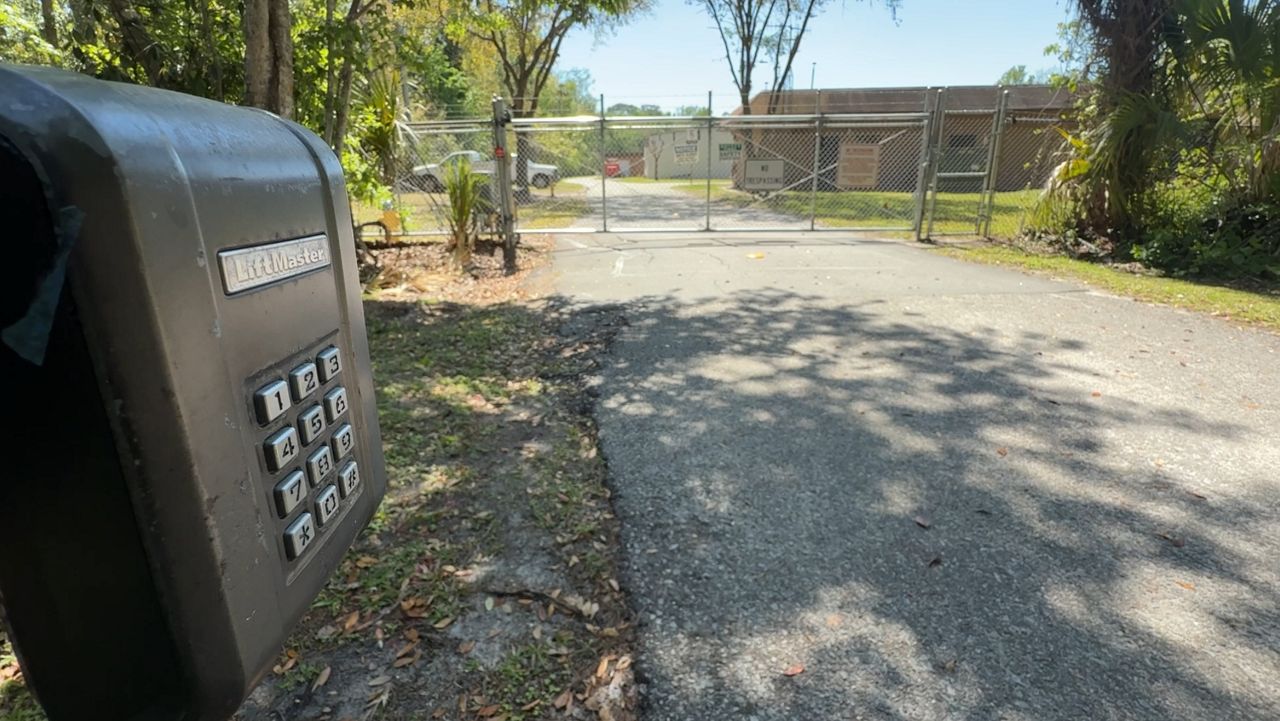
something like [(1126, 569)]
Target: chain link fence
[(933, 171)]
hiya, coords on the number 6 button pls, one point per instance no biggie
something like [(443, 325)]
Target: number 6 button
[(335, 404)]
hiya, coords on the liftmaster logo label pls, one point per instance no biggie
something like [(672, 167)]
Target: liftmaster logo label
[(244, 269)]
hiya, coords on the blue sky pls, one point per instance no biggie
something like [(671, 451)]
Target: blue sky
[(673, 55)]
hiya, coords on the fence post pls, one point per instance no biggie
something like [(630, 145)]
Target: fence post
[(506, 203), (940, 111), (604, 177), (993, 163), (922, 174), (710, 128), (817, 162)]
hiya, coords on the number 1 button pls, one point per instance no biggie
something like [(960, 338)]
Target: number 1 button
[(271, 401)]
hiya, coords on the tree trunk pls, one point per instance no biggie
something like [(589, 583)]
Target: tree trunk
[(49, 30), (268, 56), (330, 71), (138, 46), (343, 105)]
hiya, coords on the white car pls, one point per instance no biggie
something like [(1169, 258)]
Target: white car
[(430, 177)]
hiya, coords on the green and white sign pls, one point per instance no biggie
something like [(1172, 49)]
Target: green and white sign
[(730, 151)]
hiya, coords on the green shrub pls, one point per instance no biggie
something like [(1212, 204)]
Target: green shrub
[(1215, 240)]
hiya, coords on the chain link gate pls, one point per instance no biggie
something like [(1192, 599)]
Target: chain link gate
[(938, 171)]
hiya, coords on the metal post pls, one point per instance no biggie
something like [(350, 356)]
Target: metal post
[(993, 164), (710, 127), (922, 175), (817, 162), (940, 111), (604, 177), (506, 203)]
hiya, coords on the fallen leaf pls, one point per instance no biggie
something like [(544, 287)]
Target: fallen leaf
[(613, 583), (563, 699), (406, 660), (439, 713), (602, 668), (1187, 585), (366, 562), (1197, 496), (1175, 541), (922, 521), (1096, 394), (350, 620), (327, 632), (406, 649), (1002, 451), (935, 562), (466, 647), (488, 603), (380, 680), (623, 664), (531, 705), (322, 678), (488, 711), (793, 670), (442, 623), (412, 634)]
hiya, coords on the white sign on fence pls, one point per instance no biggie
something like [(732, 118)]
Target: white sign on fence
[(686, 154), (764, 175)]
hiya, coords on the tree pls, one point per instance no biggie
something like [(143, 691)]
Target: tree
[(526, 35), (1018, 75), (268, 55), (764, 31)]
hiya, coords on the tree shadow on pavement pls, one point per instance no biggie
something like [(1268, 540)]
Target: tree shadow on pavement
[(934, 523)]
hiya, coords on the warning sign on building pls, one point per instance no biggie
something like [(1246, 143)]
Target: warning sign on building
[(686, 154), (859, 165)]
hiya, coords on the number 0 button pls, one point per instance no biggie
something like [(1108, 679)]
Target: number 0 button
[(326, 505), (281, 449), (330, 364), (335, 404), (271, 401)]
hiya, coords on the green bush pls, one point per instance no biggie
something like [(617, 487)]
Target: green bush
[(1217, 241)]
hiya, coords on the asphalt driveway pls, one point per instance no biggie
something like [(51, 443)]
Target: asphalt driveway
[(858, 480)]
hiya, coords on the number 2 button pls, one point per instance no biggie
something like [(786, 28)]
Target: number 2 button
[(303, 381)]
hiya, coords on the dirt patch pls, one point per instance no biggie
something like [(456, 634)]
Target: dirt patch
[(486, 585), (426, 272)]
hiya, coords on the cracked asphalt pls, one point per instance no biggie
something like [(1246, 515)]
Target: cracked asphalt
[(931, 490)]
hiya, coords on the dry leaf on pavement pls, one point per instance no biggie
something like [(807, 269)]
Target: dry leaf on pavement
[(322, 678), (922, 521), (793, 670)]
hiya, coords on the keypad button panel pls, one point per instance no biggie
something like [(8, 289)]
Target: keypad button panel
[(302, 409)]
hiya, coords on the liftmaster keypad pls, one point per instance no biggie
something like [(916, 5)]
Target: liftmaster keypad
[(181, 333)]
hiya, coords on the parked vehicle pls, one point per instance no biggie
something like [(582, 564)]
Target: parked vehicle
[(430, 177)]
